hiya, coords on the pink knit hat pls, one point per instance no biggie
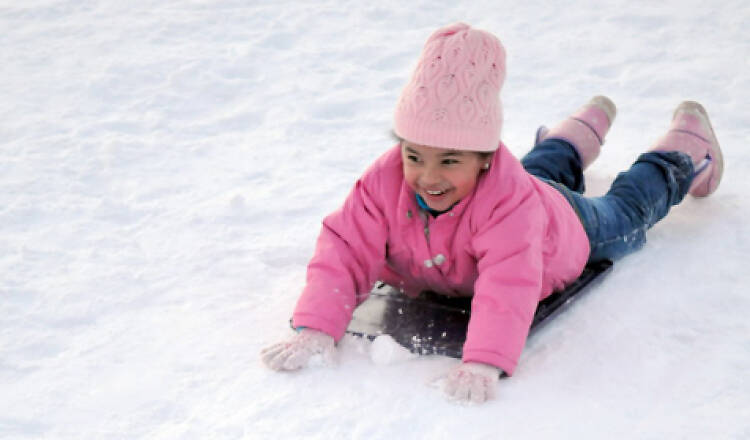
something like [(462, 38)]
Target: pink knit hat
[(453, 97)]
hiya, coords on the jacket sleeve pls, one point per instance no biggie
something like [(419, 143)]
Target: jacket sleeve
[(349, 256), (508, 246)]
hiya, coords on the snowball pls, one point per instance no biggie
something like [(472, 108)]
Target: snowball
[(385, 350)]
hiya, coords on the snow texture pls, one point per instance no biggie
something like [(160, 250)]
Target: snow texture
[(166, 165), (384, 350)]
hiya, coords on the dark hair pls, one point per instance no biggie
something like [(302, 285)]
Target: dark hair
[(484, 155), (394, 136)]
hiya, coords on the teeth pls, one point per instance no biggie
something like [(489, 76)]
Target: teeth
[(434, 193)]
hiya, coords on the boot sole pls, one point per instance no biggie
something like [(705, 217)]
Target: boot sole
[(607, 105), (696, 108)]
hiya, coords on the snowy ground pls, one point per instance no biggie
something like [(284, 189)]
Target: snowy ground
[(165, 166)]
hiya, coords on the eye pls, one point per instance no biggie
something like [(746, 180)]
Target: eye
[(412, 158), (449, 161)]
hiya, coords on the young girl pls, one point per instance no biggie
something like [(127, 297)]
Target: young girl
[(449, 209)]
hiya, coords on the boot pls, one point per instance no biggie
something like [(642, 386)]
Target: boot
[(691, 133), (585, 129)]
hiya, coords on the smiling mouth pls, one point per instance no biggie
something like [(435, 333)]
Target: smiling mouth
[(435, 193)]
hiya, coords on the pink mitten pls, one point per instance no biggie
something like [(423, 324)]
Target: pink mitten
[(297, 351), (472, 382)]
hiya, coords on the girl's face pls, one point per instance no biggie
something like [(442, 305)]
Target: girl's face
[(440, 175)]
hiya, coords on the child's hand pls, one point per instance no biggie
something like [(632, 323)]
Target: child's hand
[(297, 351), (472, 382)]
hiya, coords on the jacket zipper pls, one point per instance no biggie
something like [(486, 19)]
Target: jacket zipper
[(425, 221)]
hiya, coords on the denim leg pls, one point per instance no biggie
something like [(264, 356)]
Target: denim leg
[(616, 223), (556, 160)]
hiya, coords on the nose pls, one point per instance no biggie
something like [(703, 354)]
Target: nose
[(430, 176)]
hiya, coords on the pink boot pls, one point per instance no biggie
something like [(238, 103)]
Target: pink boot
[(585, 129), (691, 133)]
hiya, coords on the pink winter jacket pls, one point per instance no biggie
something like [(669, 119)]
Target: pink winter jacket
[(510, 243)]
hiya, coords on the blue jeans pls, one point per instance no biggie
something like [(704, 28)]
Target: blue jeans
[(615, 223)]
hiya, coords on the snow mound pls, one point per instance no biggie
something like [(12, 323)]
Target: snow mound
[(384, 350)]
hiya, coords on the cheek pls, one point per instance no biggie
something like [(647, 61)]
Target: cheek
[(410, 176), (465, 182)]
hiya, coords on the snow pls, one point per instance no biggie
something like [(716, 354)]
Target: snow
[(384, 350), (166, 164)]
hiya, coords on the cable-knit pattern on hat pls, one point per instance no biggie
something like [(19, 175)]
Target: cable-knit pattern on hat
[(453, 97)]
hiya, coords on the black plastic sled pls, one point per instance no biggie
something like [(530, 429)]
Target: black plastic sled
[(436, 324)]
